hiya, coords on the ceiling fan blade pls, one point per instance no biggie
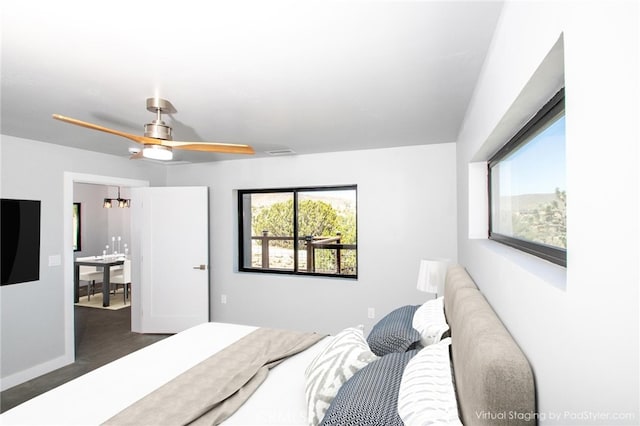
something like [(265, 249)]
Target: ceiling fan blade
[(136, 155), (135, 138), (225, 148)]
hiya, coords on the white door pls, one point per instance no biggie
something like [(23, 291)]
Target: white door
[(170, 257)]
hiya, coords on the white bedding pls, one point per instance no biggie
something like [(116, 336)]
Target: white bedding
[(97, 396)]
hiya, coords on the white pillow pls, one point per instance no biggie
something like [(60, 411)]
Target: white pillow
[(347, 353), (430, 321), (426, 395)]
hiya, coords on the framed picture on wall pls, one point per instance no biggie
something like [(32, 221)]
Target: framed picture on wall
[(76, 227)]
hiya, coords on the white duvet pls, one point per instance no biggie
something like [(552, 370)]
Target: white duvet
[(115, 386)]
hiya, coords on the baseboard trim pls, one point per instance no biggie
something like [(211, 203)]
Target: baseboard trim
[(33, 372)]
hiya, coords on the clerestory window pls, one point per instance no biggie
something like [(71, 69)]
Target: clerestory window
[(527, 188)]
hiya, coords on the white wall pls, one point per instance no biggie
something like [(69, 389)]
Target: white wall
[(406, 211), (579, 326), (32, 315)]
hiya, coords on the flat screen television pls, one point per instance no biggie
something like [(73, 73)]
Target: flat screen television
[(20, 245)]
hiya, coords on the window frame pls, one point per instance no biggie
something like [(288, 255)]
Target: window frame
[(541, 119), (295, 191)]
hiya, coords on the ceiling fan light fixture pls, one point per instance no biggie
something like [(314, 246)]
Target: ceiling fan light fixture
[(157, 152)]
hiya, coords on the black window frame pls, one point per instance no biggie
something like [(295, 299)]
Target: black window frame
[(295, 191), (550, 110)]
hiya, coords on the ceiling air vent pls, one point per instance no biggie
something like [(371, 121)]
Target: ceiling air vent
[(286, 151)]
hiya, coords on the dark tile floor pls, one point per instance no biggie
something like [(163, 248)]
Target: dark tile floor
[(101, 336)]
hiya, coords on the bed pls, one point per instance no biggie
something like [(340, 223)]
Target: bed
[(488, 376)]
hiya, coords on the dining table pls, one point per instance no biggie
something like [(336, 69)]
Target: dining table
[(104, 262)]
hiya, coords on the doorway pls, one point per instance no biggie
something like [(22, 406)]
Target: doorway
[(101, 227), (68, 253)]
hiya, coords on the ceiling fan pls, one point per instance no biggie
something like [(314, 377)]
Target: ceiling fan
[(157, 141)]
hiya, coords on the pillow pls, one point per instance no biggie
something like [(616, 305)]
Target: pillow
[(427, 395), (394, 332), (345, 354), (370, 397), (430, 321)]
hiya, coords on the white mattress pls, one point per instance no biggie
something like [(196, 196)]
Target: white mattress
[(97, 396)]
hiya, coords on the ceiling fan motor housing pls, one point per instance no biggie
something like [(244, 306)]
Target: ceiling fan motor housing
[(158, 130)]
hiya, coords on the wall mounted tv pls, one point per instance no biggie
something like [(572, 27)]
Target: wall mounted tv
[(20, 241)]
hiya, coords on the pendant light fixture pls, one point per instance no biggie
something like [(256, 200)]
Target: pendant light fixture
[(120, 202)]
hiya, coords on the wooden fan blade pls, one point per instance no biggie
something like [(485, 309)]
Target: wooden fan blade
[(135, 138), (225, 148)]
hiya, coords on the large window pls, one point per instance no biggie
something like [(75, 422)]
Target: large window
[(527, 186), (299, 231)]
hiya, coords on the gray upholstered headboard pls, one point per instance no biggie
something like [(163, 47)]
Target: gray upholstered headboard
[(493, 379)]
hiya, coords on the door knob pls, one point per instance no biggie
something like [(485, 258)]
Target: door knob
[(201, 267)]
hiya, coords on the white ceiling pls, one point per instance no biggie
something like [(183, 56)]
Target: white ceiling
[(311, 76)]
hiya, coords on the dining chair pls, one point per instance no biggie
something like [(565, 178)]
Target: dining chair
[(89, 274), (115, 270), (123, 278)]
